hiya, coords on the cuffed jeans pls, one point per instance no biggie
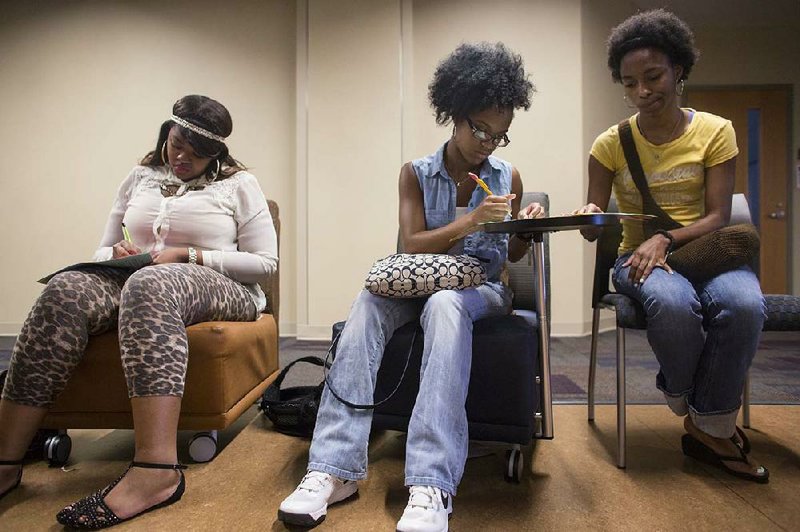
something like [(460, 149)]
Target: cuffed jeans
[(704, 337), (436, 448)]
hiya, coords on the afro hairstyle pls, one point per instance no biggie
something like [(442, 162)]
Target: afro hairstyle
[(476, 77), (657, 29)]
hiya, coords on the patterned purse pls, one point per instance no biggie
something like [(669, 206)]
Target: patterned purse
[(407, 275)]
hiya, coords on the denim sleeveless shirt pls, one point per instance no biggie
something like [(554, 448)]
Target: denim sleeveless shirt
[(439, 196)]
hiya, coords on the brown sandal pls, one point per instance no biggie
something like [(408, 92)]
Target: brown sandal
[(696, 449)]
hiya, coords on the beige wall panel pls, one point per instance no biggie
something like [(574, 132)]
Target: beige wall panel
[(354, 121), (86, 86), (546, 142), (602, 107)]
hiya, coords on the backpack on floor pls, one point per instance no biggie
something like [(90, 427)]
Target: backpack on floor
[(293, 411)]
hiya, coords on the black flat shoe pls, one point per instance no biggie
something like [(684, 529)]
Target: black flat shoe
[(92, 513), (19, 475), (694, 448)]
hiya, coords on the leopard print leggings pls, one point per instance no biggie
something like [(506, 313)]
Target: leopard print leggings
[(151, 307)]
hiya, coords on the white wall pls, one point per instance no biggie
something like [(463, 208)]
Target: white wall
[(367, 112), (353, 153), (329, 98), (86, 84), (602, 106)]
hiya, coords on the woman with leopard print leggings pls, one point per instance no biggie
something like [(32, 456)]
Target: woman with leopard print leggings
[(151, 309), (188, 182)]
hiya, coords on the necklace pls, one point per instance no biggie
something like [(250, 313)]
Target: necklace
[(670, 137), (170, 188), (457, 182)]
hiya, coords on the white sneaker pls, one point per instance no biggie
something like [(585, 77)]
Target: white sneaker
[(428, 510), (308, 504)]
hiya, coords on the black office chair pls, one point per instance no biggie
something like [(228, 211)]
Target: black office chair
[(504, 401), (631, 315)]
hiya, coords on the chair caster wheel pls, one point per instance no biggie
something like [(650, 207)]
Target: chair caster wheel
[(203, 446), (57, 448), (514, 461)]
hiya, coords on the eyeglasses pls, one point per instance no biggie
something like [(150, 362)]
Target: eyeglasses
[(498, 140)]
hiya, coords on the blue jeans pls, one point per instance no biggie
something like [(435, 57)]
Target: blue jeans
[(436, 448), (704, 337)]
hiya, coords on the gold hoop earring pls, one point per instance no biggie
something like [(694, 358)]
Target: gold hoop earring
[(680, 87), (163, 156)]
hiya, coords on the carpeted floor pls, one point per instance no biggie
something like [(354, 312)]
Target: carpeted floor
[(775, 374), (570, 483)]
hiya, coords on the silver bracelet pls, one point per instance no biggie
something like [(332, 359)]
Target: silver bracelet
[(192, 256)]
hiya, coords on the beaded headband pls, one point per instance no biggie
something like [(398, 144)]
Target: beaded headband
[(197, 129)]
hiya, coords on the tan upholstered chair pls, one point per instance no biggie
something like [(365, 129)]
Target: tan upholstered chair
[(230, 366)]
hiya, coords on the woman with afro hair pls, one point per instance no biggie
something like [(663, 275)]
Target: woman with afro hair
[(704, 334), (477, 88)]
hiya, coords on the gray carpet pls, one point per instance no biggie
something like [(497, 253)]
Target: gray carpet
[(775, 374)]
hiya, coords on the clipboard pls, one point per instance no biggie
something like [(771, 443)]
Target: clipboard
[(130, 263)]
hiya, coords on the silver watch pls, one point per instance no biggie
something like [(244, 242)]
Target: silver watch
[(192, 256)]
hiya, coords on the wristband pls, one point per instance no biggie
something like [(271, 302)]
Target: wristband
[(192, 256), (669, 237)]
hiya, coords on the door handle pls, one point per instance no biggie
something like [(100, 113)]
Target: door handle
[(777, 215)]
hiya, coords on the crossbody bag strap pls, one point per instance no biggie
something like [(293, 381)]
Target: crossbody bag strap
[(317, 361), (649, 205), (273, 392), (357, 406)]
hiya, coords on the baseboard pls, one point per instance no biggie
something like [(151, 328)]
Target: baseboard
[(7, 342), (288, 330), (9, 328), (314, 332), (578, 330)]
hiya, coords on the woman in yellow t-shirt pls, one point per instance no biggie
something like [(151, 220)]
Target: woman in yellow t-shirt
[(704, 335)]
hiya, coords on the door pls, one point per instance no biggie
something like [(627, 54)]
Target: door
[(761, 118)]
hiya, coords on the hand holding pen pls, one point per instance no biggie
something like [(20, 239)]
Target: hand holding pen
[(125, 247), (492, 208)]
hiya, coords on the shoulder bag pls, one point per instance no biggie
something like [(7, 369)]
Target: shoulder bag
[(293, 411), (407, 275)]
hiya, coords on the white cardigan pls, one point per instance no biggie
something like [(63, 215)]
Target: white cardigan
[(228, 220)]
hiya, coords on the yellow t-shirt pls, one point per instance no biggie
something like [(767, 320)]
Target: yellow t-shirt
[(675, 171)]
